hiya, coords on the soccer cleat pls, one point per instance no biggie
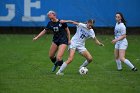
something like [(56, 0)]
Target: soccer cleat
[(134, 69), (54, 67), (119, 69), (59, 74)]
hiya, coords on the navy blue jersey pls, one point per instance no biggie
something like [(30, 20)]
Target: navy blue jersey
[(60, 35)]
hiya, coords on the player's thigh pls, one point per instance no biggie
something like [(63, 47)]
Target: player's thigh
[(87, 55), (61, 51), (53, 50), (122, 54), (116, 53), (71, 56)]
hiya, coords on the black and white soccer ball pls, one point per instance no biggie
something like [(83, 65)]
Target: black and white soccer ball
[(83, 70)]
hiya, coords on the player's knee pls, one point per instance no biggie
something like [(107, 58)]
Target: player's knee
[(51, 57), (59, 58), (90, 59), (122, 59), (116, 57)]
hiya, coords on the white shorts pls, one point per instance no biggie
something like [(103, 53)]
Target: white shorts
[(77, 47), (121, 45)]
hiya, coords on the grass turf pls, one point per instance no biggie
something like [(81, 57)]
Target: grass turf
[(25, 68)]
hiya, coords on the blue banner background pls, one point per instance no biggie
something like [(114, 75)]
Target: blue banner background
[(103, 11)]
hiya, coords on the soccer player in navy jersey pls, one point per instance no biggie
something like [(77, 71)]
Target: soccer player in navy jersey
[(60, 40)]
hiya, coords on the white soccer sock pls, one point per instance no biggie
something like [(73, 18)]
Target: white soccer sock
[(127, 62), (64, 65), (119, 65), (84, 64)]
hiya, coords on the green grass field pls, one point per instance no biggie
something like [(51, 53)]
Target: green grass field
[(25, 68)]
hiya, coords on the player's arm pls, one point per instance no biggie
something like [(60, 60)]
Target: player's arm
[(123, 32), (40, 34), (69, 21), (68, 34), (98, 42), (118, 39)]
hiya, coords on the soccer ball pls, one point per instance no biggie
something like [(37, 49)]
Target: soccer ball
[(83, 70)]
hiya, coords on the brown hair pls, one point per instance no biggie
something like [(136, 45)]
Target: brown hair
[(91, 21), (123, 19)]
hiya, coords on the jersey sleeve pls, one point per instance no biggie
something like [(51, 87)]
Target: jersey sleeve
[(123, 30), (92, 34), (48, 26), (64, 25), (81, 25)]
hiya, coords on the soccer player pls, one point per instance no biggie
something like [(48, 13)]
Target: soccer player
[(84, 31), (121, 43), (60, 40)]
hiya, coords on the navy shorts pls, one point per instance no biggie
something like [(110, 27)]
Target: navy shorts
[(59, 42)]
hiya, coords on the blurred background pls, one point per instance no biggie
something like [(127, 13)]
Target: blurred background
[(29, 16)]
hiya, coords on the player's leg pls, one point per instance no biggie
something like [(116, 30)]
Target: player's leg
[(88, 57), (60, 52), (64, 65), (118, 62), (126, 61), (52, 52)]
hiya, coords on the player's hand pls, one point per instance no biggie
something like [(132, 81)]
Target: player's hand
[(62, 21), (69, 42), (114, 41), (35, 38)]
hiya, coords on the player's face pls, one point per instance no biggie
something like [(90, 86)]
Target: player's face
[(89, 25), (118, 17), (51, 16)]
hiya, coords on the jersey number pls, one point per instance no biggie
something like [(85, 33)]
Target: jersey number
[(56, 29), (82, 36)]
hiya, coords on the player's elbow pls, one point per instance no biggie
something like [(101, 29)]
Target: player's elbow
[(124, 36), (44, 31)]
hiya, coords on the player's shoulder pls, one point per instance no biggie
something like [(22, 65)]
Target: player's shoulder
[(63, 25), (82, 25), (49, 22), (91, 31), (122, 25)]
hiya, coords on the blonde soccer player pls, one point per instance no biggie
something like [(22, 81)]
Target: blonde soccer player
[(121, 43), (84, 31), (60, 40)]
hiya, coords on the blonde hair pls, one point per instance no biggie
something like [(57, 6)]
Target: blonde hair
[(51, 12)]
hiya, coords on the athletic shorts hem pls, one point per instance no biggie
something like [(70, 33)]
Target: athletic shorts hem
[(60, 43)]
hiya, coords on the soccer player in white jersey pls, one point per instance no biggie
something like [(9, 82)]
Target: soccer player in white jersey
[(121, 43), (84, 31)]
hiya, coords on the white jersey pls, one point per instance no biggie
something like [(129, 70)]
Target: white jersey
[(120, 30), (82, 34)]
